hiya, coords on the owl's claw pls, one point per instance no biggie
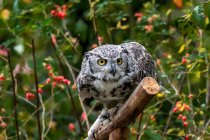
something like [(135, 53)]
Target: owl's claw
[(91, 134)]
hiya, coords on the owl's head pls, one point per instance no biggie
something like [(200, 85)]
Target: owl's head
[(107, 62)]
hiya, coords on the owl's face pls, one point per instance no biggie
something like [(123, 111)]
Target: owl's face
[(108, 65)]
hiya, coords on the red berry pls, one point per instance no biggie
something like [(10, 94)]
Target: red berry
[(50, 73), (184, 118), (66, 81), (71, 127), (83, 116), (186, 137), (175, 110), (184, 60), (180, 116), (53, 13), (138, 14), (48, 67), (40, 91), (29, 96), (64, 7), (2, 77), (185, 124), (48, 80), (61, 15), (54, 84)]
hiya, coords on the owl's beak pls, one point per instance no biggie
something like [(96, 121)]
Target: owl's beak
[(112, 69)]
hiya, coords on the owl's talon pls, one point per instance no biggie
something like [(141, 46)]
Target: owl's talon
[(91, 135)]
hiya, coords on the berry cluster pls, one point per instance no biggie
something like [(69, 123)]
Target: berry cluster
[(150, 20), (181, 107), (59, 11), (54, 79)]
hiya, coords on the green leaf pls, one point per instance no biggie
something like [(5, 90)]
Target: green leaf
[(207, 9), (198, 17), (185, 26)]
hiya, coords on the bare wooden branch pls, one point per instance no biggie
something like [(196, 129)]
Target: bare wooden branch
[(130, 110)]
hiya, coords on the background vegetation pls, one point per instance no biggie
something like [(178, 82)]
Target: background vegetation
[(176, 33)]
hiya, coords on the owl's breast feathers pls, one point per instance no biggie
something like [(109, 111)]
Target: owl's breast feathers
[(140, 65)]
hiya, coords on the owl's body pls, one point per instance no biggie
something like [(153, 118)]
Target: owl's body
[(110, 73)]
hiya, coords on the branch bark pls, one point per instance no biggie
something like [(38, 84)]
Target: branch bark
[(136, 103)]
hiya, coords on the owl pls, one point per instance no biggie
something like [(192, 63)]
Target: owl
[(110, 73)]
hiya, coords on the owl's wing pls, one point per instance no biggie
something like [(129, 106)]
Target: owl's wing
[(140, 61), (84, 80)]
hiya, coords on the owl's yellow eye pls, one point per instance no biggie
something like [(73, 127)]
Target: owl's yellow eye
[(101, 62), (119, 61)]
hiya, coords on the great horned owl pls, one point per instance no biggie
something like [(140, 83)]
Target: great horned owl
[(110, 73)]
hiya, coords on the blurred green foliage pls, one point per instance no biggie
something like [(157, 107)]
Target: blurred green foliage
[(175, 32)]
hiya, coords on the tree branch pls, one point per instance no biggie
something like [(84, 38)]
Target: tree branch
[(131, 109)]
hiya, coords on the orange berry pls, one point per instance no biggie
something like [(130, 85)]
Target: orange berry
[(74, 87), (94, 46), (186, 107), (152, 117), (100, 39), (148, 28), (190, 95), (178, 3), (3, 125), (53, 39)]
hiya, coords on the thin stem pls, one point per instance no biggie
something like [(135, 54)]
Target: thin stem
[(139, 128), (37, 94), (169, 118), (92, 10), (207, 78), (43, 116), (146, 125), (14, 96), (68, 88)]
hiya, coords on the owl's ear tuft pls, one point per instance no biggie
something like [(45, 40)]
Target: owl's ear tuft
[(125, 51), (87, 55)]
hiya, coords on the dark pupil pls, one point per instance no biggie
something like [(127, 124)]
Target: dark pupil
[(102, 61), (118, 60)]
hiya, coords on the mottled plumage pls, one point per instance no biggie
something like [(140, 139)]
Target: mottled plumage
[(113, 83), (110, 73)]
